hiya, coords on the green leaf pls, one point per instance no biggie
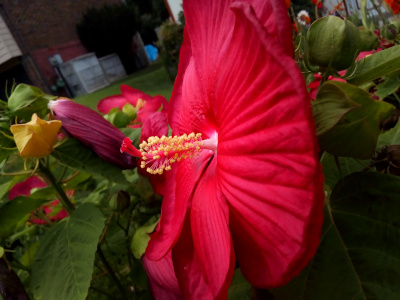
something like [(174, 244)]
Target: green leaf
[(15, 212), (390, 85), (359, 256), (376, 65), (330, 105), (390, 137), (26, 100), (358, 129), (74, 154), (240, 288), (334, 172), (142, 237), (63, 264)]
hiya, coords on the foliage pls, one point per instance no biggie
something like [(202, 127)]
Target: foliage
[(109, 29), (150, 15), (171, 41)]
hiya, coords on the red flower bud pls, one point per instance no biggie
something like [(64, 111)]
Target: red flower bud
[(93, 130)]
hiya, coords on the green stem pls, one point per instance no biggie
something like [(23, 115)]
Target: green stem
[(69, 207), (110, 270), (316, 12)]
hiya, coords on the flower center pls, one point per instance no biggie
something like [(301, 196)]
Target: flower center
[(159, 153)]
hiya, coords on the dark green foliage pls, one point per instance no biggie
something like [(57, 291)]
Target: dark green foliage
[(150, 15), (171, 41), (109, 30)]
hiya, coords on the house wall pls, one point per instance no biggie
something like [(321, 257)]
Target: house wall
[(43, 28)]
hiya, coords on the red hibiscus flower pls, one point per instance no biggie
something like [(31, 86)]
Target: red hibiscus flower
[(249, 188), (144, 104), (149, 117), (24, 189)]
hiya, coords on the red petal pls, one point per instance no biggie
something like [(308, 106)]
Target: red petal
[(155, 125), (274, 16), (162, 279), (133, 95), (267, 156), (24, 188), (105, 105), (189, 269), (207, 45), (176, 201), (211, 234), (152, 105)]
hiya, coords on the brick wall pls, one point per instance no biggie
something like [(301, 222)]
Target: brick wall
[(46, 27)]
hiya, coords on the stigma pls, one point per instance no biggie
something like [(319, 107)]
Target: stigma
[(158, 154)]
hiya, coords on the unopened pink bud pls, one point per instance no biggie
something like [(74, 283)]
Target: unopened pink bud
[(93, 130)]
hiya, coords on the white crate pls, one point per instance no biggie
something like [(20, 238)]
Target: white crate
[(84, 74), (112, 67)]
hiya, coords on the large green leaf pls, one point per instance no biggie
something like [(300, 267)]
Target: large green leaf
[(74, 154), (376, 65), (357, 129), (331, 105), (63, 264), (359, 254)]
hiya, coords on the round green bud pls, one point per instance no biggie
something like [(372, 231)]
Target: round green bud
[(333, 43), (119, 201), (391, 31), (369, 40)]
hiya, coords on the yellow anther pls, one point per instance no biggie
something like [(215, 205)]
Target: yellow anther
[(160, 153)]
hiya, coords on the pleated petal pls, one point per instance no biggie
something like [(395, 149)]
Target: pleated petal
[(162, 279), (267, 156), (180, 186), (211, 235), (188, 267)]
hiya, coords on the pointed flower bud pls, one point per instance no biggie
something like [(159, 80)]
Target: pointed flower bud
[(35, 138), (93, 130)]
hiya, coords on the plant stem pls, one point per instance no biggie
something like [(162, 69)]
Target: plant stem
[(69, 207), (316, 12), (110, 270)]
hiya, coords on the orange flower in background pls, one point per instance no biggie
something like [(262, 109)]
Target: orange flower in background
[(287, 3), (394, 5), (35, 138)]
